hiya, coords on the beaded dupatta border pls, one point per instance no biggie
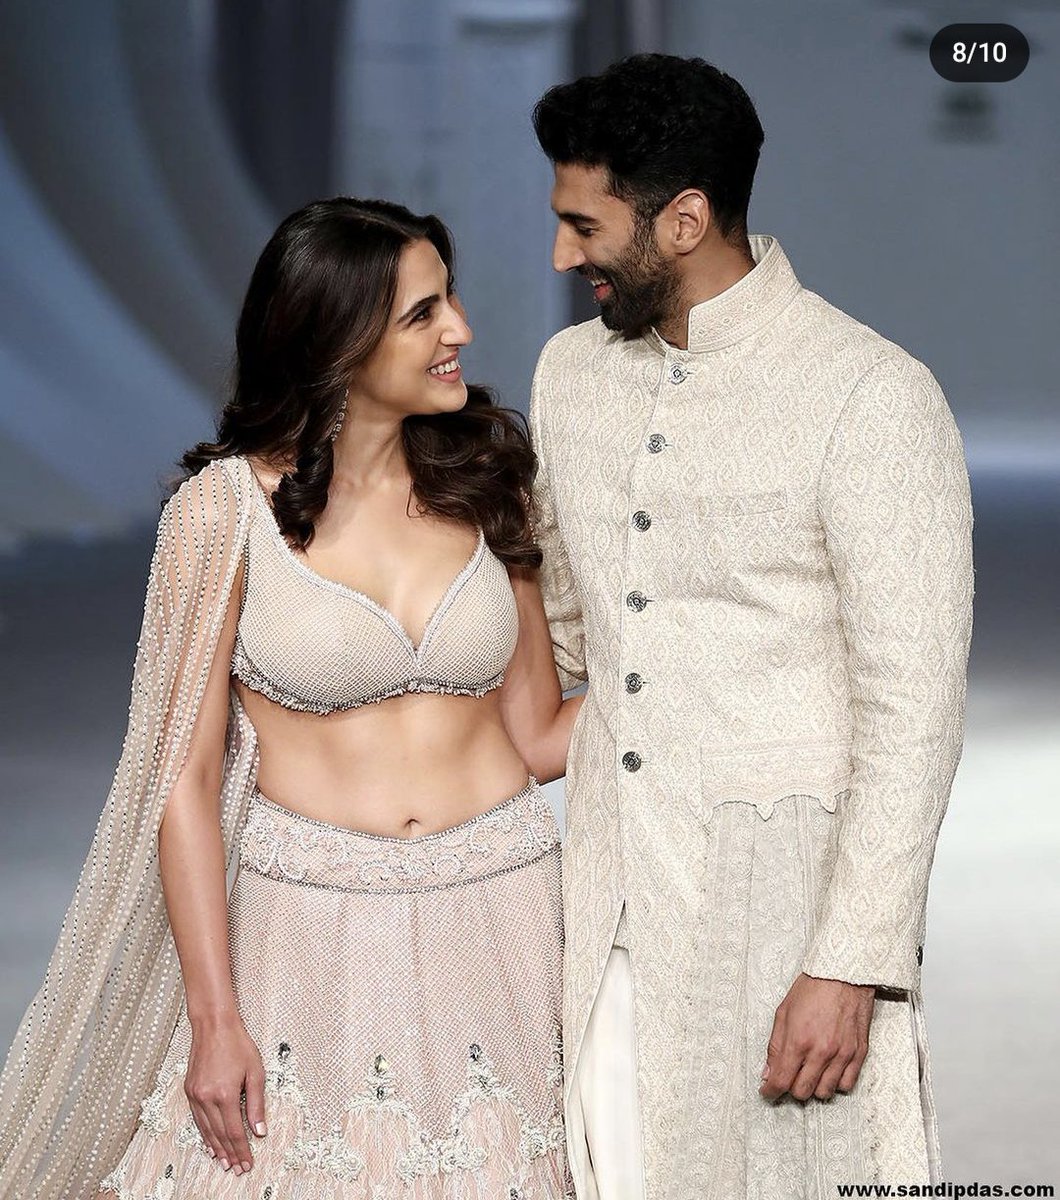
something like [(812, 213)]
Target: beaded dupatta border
[(93, 1038)]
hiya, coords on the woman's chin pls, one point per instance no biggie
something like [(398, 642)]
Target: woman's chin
[(449, 397), (438, 402)]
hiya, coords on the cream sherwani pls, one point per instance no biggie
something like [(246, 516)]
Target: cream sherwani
[(758, 552)]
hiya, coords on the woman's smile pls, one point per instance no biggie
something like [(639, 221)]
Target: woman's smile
[(447, 370)]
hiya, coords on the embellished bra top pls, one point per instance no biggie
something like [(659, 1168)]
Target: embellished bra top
[(315, 645)]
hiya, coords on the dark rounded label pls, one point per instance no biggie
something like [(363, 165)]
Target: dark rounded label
[(979, 53)]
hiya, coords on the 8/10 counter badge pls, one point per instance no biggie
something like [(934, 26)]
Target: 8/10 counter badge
[(977, 53)]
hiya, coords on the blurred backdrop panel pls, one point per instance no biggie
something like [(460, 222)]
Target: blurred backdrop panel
[(149, 147)]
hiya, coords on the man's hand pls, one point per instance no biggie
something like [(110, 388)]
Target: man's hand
[(819, 1041)]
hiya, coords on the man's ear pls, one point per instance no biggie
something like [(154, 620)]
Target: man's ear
[(684, 222)]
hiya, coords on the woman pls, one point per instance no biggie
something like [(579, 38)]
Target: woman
[(342, 626)]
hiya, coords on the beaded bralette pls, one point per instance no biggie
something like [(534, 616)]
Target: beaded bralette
[(316, 645)]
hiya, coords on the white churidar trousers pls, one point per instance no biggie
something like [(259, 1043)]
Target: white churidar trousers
[(603, 1118)]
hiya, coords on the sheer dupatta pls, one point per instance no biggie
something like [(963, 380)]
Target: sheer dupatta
[(92, 1040)]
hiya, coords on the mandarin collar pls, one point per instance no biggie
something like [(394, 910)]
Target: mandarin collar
[(747, 307)]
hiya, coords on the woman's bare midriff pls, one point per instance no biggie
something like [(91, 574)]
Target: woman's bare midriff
[(404, 767)]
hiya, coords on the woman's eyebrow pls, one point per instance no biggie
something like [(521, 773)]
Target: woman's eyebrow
[(418, 305)]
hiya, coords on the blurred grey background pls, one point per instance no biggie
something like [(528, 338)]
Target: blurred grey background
[(149, 147)]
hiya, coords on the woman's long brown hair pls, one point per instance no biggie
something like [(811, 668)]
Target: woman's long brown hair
[(318, 304)]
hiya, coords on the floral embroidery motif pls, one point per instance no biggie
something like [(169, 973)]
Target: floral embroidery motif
[(190, 1136), (418, 1153), (281, 845), (457, 1154), (555, 1061), (153, 1115), (281, 1078), (483, 1084), (115, 1182), (379, 1095), (423, 1159), (165, 1187), (330, 1154), (482, 1075)]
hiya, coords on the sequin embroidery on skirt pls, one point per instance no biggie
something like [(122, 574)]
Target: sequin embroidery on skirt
[(405, 997)]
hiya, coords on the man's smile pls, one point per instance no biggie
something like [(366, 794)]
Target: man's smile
[(602, 287)]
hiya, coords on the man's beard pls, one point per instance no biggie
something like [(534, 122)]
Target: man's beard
[(645, 285)]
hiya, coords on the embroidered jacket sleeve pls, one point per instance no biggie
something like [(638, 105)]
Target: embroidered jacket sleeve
[(558, 587), (895, 505), (91, 1042)]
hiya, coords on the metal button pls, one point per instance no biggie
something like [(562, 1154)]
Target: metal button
[(633, 683), (637, 601), (677, 373), (656, 443), (631, 760), (641, 520)]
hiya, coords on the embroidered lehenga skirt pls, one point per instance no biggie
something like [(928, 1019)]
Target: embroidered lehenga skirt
[(405, 997)]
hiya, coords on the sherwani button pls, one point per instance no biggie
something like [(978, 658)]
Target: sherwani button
[(641, 520), (678, 374), (656, 443), (920, 956), (637, 601), (633, 683), (631, 760)]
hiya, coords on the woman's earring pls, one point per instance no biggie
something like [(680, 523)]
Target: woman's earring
[(337, 428)]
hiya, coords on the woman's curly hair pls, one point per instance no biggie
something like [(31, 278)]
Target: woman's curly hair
[(659, 124), (318, 304)]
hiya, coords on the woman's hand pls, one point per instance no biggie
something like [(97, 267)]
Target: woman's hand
[(225, 1063)]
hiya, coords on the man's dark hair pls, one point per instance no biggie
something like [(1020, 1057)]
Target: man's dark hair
[(658, 124)]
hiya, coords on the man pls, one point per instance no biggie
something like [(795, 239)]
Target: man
[(756, 522)]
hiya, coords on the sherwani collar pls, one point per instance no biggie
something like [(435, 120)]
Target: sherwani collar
[(747, 307)]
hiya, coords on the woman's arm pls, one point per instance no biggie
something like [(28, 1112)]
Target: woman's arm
[(224, 1060), (538, 719)]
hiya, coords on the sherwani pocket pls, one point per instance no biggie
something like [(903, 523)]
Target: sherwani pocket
[(733, 545), (728, 512), (763, 774), (731, 505)]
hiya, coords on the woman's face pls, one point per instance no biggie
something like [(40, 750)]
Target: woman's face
[(415, 369)]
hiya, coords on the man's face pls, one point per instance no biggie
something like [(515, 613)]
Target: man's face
[(601, 237)]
